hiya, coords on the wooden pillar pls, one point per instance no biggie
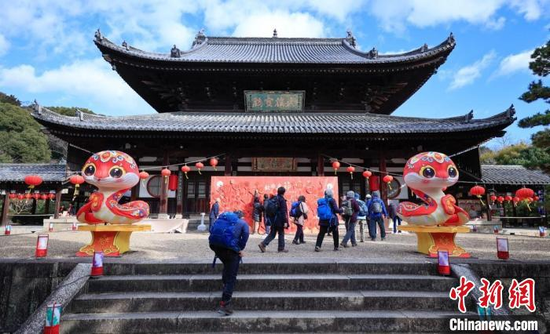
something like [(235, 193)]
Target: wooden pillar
[(47, 206), (135, 191), (5, 209), (164, 187), (382, 169), (57, 203), (179, 193), (33, 208), (320, 165), (227, 171), (488, 201)]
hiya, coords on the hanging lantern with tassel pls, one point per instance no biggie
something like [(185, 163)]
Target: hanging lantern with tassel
[(500, 199), (516, 200), (478, 191), (351, 170), (33, 181), (525, 194), (77, 180), (185, 169), (165, 172), (143, 175), (508, 198), (199, 166), (388, 179), (335, 166), (493, 198), (367, 174), (214, 162)]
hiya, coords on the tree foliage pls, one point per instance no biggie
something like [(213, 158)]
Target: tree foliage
[(21, 137), (529, 156), (5, 98)]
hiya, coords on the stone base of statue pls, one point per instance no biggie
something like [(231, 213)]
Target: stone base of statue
[(432, 239), (112, 240)]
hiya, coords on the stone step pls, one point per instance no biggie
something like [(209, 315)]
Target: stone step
[(201, 283), (268, 301), (254, 268), (332, 321)]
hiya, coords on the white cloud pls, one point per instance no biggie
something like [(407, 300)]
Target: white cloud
[(90, 81), (468, 74), (287, 25), (514, 63), (396, 15), (4, 45)]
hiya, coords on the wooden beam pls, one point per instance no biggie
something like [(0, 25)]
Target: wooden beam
[(164, 187), (320, 165), (227, 171)]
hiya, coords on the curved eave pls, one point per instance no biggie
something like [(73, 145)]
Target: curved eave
[(129, 55), (361, 126)]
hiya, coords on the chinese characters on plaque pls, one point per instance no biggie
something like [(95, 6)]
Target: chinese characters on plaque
[(266, 101), (274, 165)]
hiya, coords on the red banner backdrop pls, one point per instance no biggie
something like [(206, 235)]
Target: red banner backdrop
[(237, 193)]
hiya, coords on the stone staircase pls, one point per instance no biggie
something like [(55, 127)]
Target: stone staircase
[(269, 297)]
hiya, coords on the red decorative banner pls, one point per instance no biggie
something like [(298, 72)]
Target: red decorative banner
[(237, 193)]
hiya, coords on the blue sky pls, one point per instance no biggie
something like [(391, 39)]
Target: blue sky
[(46, 49)]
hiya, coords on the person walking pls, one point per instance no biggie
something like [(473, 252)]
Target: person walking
[(361, 216), (392, 212), (326, 211), (377, 214), (350, 210), (256, 213), (277, 212), (228, 247), (267, 222), (368, 198), (214, 213), (299, 213)]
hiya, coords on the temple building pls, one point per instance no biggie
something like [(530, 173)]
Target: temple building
[(273, 107)]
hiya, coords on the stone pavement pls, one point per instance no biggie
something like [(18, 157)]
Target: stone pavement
[(194, 247)]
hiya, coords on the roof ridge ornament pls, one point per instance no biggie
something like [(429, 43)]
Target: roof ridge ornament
[(200, 38), (451, 39), (275, 33), (469, 116), (37, 107), (350, 38), (511, 111), (125, 45), (373, 53), (175, 52), (424, 48), (98, 36)]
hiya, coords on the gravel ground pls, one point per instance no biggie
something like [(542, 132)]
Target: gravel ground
[(194, 247)]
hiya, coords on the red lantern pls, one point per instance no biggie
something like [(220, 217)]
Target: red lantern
[(388, 179), (173, 183), (478, 191), (500, 199), (335, 166), (367, 174), (493, 198), (536, 198), (12, 195), (28, 196), (351, 170), (165, 173), (199, 166), (33, 180), (36, 196), (185, 169), (508, 198), (43, 197), (214, 163), (76, 180), (20, 196), (51, 196), (525, 193), (143, 175), (516, 200)]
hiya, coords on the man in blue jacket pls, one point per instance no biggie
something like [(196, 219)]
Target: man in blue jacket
[(229, 252), (278, 223), (377, 214)]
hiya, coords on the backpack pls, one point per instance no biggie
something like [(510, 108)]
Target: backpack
[(363, 210), (222, 233), (375, 206), (272, 207), (347, 207), (296, 210), (324, 211)]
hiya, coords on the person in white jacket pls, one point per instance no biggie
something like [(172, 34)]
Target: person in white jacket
[(300, 220)]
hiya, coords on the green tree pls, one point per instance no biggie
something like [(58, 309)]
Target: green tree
[(21, 137), (540, 66), (5, 98)]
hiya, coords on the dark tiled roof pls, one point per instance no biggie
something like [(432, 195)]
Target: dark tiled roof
[(270, 123), (17, 172), (513, 174), (278, 50)]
